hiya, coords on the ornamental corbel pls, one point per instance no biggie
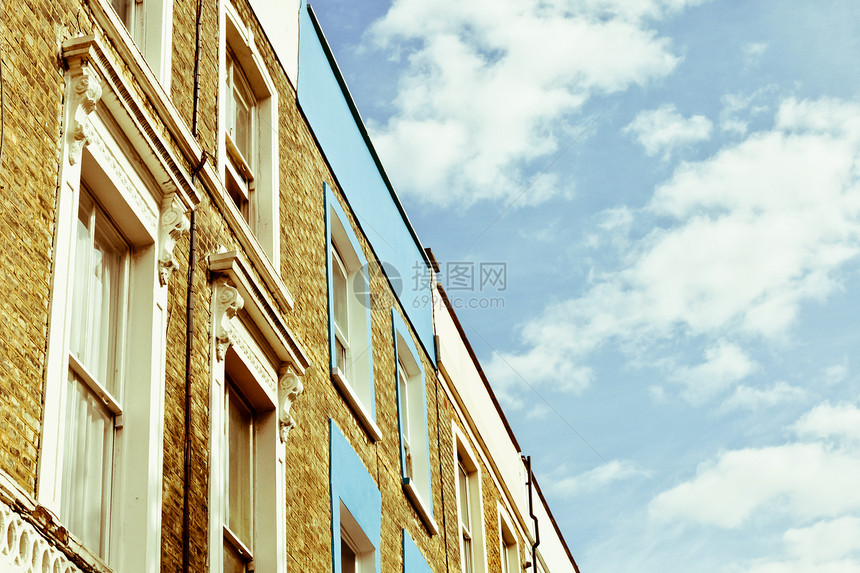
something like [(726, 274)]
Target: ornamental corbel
[(227, 304), (173, 226), (290, 387), (86, 91)]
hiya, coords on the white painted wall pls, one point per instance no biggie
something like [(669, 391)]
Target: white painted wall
[(467, 383), (280, 20)]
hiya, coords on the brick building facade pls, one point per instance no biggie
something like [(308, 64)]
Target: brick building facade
[(209, 359)]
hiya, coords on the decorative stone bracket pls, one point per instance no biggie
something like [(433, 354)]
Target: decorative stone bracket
[(173, 226), (290, 387), (227, 303), (86, 91)]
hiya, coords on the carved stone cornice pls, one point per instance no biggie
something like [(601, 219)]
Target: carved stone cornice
[(23, 549), (290, 387), (86, 91), (227, 303), (173, 226)]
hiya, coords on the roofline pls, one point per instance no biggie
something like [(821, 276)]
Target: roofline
[(477, 364), (363, 130)]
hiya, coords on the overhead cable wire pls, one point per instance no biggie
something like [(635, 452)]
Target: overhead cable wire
[(539, 395)]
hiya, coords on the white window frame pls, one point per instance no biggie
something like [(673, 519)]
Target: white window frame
[(356, 539), (412, 422), (149, 26), (509, 552), (261, 220), (475, 528), (131, 198), (354, 379)]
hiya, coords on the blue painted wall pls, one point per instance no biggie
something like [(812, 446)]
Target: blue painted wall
[(326, 103), (413, 560), (351, 484)]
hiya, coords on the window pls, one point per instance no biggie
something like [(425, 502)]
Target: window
[(247, 529), (340, 296), (464, 494), (150, 26), (357, 554), (350, 351), (412, 422), (239, 463), (406, 431), (94, 389), (104, 391), (130, 12), (240, 136), (469, 507), (508, 545), (248, 157), (254, 380)]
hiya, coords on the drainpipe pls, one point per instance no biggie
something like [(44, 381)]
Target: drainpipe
[(189, 317), (528, 462)]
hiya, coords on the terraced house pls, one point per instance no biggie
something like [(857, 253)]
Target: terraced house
[(211, 360)]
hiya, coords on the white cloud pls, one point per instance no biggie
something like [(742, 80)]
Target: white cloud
[(565, 485), (663, 130), (750, 398), (806, 481), (483, 94), (746, 237), (827, 421), (724, 365), (739, 109), (835, 374), (753, 52), (825, 541)]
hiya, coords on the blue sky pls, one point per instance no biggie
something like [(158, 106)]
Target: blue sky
[(674, 186)]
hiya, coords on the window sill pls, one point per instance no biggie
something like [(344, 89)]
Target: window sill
[(355, 403), (420, 506)]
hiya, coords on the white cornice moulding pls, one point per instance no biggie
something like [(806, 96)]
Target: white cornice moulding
[(263, 311), (133, 116)]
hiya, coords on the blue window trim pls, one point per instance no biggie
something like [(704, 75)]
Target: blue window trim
[(332, 204), (413, 559), (351, 484), (398, 326)]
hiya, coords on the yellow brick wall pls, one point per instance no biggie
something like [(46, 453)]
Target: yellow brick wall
[(33, 106)]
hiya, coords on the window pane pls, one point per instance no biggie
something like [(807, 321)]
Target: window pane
[(339, 288), (233, 562), (240, 435), (340, 355), (97, 294), (404, 413), (123, 9), (506, 559), (242, 133), (467, 555), (86, 466), (463, 478), (81, 283)]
